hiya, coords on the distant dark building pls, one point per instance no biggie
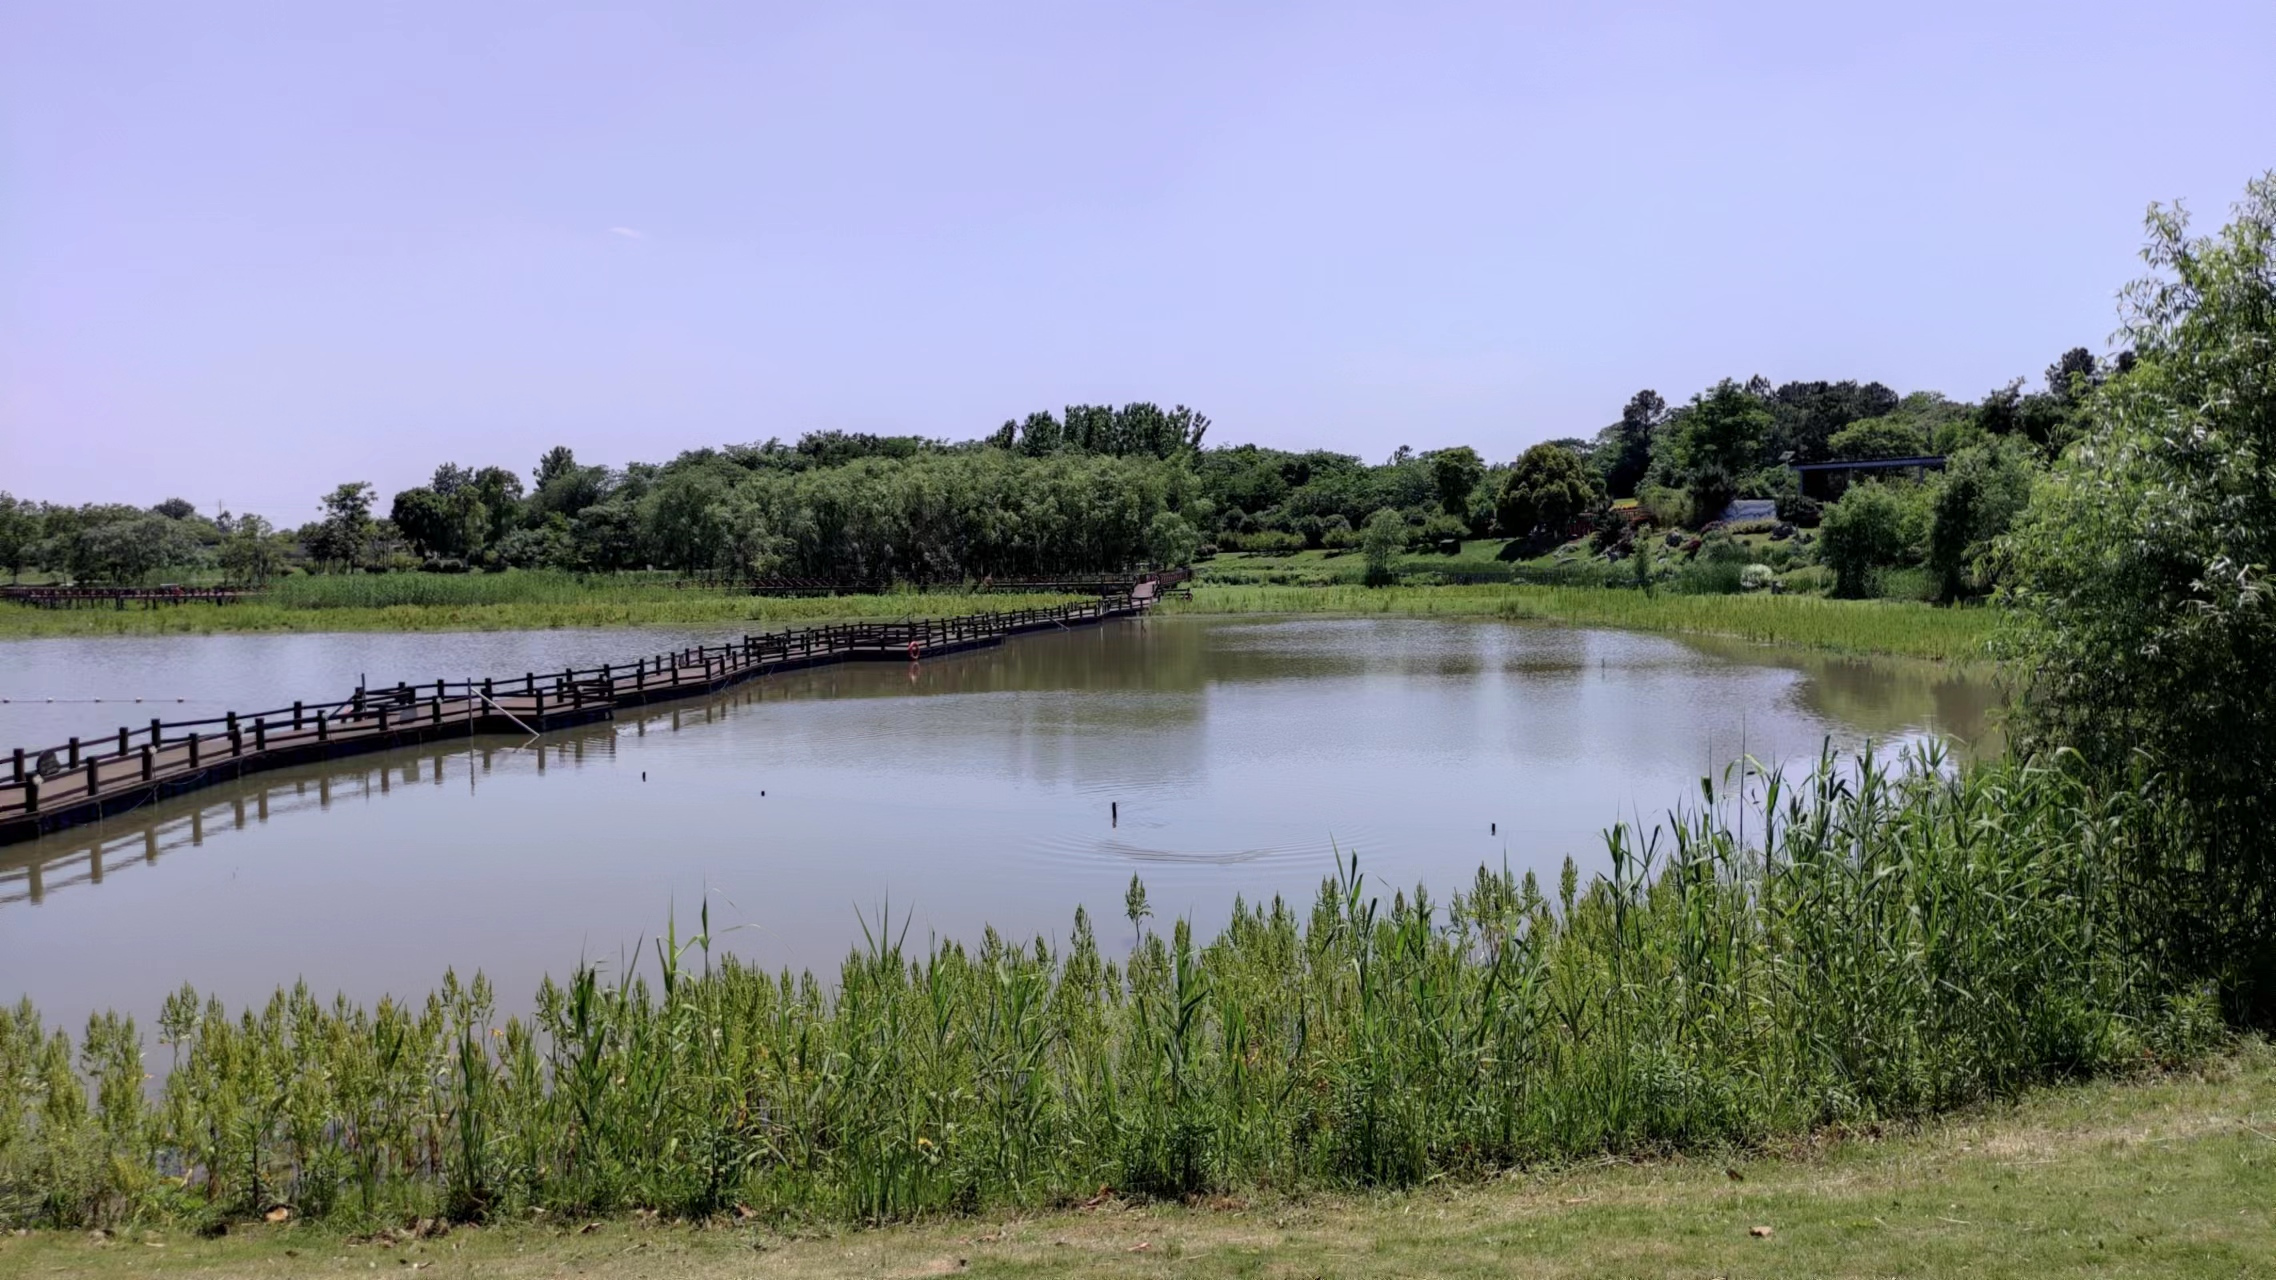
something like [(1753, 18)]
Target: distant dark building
[(1826, 481)]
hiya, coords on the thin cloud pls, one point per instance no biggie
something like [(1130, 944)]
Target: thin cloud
[(628, 233)]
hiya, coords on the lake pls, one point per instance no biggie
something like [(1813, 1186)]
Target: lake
[(1211, 756)]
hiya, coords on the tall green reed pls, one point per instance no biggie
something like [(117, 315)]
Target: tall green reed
[(1885, 942)]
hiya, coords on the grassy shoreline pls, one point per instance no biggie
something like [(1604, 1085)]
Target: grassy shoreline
[(2168, 1175), (684, 609), (1807, 622), (1884, 627)]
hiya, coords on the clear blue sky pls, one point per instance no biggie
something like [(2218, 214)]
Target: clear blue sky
[(248, 251)]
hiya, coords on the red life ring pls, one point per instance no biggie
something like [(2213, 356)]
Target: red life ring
[(914, 650)]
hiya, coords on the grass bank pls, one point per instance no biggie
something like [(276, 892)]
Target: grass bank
[(648, 607), (1843, 626), (2171, 1175), (1905, 942)]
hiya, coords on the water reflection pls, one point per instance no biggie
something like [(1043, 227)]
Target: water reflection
[(1214, 757)]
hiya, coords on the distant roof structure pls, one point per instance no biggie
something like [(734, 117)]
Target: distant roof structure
[(1825, 480)]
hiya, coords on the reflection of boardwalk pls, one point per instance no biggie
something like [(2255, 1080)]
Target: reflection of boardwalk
[(50, 788), (91, 858)]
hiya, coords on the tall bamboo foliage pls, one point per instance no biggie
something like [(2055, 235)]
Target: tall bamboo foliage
[(1889, 941)]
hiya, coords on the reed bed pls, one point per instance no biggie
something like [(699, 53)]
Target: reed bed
[(1896, 628), (445, 590), (1890, 941)]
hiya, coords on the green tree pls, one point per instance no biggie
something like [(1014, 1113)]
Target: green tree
[(500, 492), (1807, 414), (1862, 534), (1548, 487), (1624, 449), (250, 554), (1874, 438), (1171, 540), (428, 521), (1379, 542), (1718, 440), (1982, 490), (2140, 574), (128, 547), (558, 462), (1455, 473), (342, 537), (19, 533)]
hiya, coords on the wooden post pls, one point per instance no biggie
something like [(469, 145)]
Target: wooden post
[(156, 736), (193, 749), (19, 764), (149, 764), (94, 779), (32, 794), (296, 717), (260, 735), (321, 727), (435, 708), (74, 754), (383, 717), (123, 747)]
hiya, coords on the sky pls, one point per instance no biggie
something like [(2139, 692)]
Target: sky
[(250, 251)]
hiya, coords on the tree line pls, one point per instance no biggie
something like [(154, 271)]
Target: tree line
[(1100, 488)]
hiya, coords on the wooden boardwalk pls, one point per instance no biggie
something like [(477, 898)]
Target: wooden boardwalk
[(46, 789)]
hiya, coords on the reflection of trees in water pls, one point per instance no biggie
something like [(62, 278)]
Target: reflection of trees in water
[(1094, 659), (1882, 696), (1176, 656)]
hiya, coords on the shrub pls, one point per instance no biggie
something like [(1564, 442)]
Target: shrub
[(1438, 531), (1717, 546), (1864, 534), (1796, 509), (1271, 542), (1668, 507)]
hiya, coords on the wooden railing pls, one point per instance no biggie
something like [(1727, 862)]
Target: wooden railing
[(64, 783), (120, 597)]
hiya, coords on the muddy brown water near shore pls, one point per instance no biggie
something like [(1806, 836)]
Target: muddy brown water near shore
[(1211, 756)]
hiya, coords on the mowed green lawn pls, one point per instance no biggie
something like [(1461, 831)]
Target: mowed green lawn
[(2173, 1176)]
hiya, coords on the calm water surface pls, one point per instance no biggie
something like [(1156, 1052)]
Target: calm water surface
[(972, 790)]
